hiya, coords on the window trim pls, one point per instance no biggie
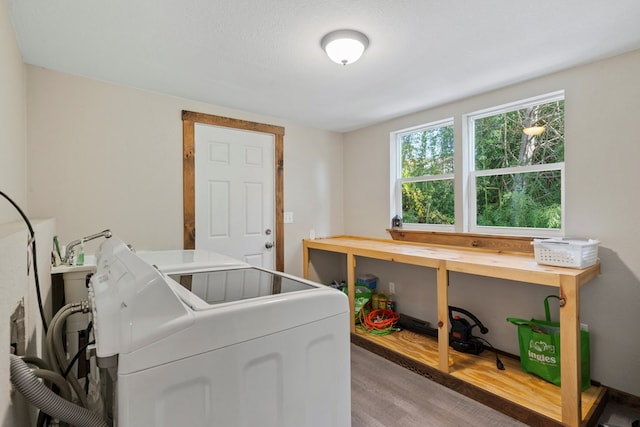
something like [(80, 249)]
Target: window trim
[(397, 180), (516, 231), (470, 173), (465, 175)]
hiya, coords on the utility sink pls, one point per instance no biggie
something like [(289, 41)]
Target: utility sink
[(88, 266)]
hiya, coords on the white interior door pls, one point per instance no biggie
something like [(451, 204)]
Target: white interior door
[(235, 193)]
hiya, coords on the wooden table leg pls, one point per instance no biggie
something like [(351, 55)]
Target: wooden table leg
[(443, 317), (570, 352), (351, 281), (305, 260)]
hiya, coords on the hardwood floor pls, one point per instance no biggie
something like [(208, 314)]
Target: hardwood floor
[(384, 394), (615, 415)]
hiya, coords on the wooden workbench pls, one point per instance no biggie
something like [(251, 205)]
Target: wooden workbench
[(490, 263)]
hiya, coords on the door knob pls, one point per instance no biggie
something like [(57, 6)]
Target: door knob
[(268, 245)]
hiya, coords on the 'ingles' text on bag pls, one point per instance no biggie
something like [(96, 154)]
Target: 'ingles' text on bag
[(537, 350)]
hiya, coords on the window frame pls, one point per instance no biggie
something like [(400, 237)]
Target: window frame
[(397, 180), (470, 174), (465, 175)]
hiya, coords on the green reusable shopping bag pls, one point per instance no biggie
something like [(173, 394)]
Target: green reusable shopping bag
[(539, 342), (361, 298)]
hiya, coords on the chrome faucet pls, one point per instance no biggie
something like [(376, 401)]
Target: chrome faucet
[(69, 251)]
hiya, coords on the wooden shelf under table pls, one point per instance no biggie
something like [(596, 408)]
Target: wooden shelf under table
[(516, 267), (514, 392)]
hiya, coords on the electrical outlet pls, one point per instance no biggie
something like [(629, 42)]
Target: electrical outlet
[(392, 288)]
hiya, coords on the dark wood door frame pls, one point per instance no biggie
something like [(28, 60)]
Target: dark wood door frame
[(189, 119)]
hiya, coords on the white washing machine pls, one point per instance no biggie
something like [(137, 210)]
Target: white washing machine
[(218, 343)]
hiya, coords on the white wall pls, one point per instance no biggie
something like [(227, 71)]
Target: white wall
[(13, 174), (601, 154), (13, 128), (104, 156)]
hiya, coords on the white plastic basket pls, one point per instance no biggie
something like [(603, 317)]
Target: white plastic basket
[(576, 253)]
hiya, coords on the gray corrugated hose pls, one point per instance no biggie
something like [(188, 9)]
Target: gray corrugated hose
[(41, 397)]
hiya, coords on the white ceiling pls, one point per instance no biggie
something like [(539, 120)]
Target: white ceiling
[(264, 56)]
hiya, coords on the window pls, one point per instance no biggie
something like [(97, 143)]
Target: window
[(510, 175), (517, 172), (424, 183)]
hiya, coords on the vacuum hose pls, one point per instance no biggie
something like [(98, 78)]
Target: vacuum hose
[(41, 397)]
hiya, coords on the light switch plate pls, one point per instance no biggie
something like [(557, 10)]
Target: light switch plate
[(288, 217)]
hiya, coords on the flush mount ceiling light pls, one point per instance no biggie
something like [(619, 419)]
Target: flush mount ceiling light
[(344, 46), (533, 130)]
